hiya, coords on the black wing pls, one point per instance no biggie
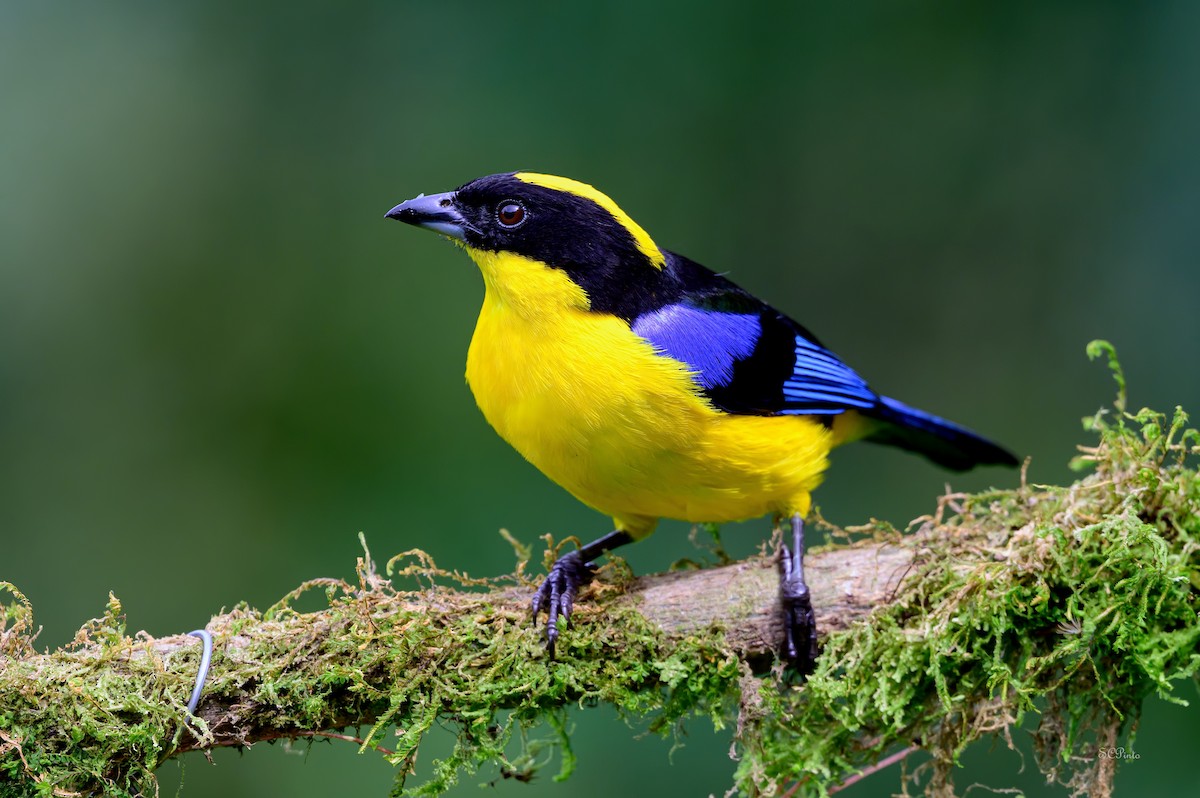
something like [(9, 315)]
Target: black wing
[(748, 357)]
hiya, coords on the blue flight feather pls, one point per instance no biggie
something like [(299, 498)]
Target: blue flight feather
[(804, 393), (819, 380)]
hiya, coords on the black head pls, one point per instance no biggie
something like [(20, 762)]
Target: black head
[(554, 220)]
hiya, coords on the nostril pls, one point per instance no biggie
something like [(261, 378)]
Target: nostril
[(444, 203)]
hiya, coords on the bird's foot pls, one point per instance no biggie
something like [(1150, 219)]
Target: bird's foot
[(799, 621), (557, 593)]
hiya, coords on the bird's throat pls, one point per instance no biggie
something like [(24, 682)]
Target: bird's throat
[(531, 289)]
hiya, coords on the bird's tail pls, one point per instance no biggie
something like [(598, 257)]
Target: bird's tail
[(943, 442)]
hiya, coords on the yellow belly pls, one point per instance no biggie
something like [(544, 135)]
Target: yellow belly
[(625, 430)]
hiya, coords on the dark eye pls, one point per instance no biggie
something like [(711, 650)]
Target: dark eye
[(510, 214)]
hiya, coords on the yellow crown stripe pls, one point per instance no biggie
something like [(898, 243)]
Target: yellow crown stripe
[(645, 243)]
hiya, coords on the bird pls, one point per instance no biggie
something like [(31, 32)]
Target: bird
[(650, 387)]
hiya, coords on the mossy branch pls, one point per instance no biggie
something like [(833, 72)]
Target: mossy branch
[(261, 683), (1080, 598)]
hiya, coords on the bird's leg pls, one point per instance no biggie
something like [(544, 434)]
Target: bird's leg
[(799, 623), (570, 572)]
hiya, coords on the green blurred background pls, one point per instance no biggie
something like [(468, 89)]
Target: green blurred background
[(219, 363)]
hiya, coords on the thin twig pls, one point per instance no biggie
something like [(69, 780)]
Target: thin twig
[(871, 770), (347, 737), (887, 761)]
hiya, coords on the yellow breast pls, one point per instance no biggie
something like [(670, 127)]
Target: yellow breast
[(617, 424)]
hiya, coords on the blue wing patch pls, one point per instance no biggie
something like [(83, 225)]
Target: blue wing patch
[(708, 341)]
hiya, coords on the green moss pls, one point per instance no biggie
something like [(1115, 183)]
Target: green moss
[(1062, 606), (1090, 608)]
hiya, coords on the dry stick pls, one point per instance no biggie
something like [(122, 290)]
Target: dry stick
[(870, 770), (850, 781), (887, 761), (347, 737)]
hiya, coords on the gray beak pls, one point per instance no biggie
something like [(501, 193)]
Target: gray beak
[(435, 212)]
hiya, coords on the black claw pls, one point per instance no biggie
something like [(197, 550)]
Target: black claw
[(557, 593), (800, 623), (799, 620)]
